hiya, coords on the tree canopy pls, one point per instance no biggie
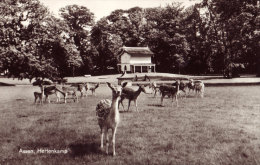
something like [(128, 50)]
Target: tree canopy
[(213, 36)]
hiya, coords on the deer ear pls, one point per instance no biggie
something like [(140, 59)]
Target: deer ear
[(110, 85)]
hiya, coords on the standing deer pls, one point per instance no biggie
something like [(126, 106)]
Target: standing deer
[(93, 89), (50, 90), (131, 95), (155, 88), (108, 116), (198, 86), (39, 95), (183, 87), (171, 91)]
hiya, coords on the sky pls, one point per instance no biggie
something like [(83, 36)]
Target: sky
[(102, 8)]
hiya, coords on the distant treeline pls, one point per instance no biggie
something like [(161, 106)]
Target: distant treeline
[(213, 36)]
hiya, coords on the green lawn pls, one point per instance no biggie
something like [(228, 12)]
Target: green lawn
[(222, 128)]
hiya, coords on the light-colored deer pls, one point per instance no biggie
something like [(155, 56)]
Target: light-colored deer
[(197, 86), (169, 90), (71, 90), (108, 116), (155, 88), (131, 95)]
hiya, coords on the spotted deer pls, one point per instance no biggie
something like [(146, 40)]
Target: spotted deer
[(108, 116)]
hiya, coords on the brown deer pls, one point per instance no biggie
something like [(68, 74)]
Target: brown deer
[(108, 116), (131, 95), (183, 87), (50, 90), (170, 90), (93, 89), (38, 95)]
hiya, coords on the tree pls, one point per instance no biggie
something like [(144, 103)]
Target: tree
[(200, 43), (107, 46), (33, 42), (233, 23), (166, 37), (80, 21)]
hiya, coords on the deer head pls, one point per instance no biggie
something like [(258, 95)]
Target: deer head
[(116, 91), (142, 88)]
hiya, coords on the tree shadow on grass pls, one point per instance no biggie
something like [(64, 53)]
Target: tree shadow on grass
[(124, 111), (82, 149), (155, 105)]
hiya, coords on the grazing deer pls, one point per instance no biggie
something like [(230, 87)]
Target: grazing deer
[(131, 95), (66, 91), (93, 89), (50, 91), (171, 91), (108, 117), (69, 90)]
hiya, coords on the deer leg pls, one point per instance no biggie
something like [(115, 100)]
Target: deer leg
[(136, 105), (76, 97), (57, 97), (162, 99), (40, 99), (114, 141), (35, 98), (185, 94), (155, 91), (176, 99), (172, 98), (46, 97), (129, 102), (65, 98), (102, 137), (107, 140), (121, 101)]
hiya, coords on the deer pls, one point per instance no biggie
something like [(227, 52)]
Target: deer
[(93, 89), (38, 95), (50, 90), (66, 91), (83, 87), (108, 116), (71, 90), (197, 86), (131, 95), (183, 87), (155, 88), (171, 91)]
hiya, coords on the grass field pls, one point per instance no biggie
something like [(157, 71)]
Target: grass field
[(222, 128)]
